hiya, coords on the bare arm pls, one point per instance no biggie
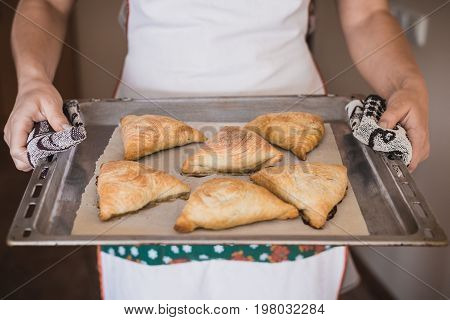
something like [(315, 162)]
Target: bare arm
[(384, 58), (36, 54)]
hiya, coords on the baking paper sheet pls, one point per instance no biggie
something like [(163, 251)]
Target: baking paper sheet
[(159, 219)]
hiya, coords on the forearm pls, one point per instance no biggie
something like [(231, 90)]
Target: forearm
[(385, 60), (35, 48), (382, 54), (38, 28)]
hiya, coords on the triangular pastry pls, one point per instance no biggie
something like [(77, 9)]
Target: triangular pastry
[(314, 188), (144, 135), (299, 132), (232, 150), (222, 203), (127, 186)]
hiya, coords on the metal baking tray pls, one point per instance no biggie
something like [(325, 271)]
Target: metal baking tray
[(394, 210)]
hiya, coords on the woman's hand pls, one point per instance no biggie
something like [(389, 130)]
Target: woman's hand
[(409, 107), (37, 100)]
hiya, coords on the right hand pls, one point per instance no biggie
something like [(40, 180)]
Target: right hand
[(37, 100)]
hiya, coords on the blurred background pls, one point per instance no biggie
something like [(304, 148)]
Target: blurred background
[(94, 30)]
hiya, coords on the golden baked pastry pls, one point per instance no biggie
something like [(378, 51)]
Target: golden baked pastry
[(126, 186), (299, 132), (314, 188), (232, 150), (144, 135), (222, 203)]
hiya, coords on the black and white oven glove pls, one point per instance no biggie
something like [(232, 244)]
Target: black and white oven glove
[(364, 116), (43, 141)]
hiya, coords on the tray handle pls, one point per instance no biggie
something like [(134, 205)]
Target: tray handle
[(427, 224), (31, 204)]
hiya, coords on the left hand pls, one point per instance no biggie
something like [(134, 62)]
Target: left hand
[(409, 107)]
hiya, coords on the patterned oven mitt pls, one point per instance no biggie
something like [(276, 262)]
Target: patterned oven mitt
[(43, 141), (364, 116)]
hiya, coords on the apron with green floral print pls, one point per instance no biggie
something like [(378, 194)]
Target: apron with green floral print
[(170, 254)]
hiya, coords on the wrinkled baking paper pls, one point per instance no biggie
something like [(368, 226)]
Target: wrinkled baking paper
[(159, 220)]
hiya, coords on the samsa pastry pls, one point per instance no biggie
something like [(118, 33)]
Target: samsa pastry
[(127, 186), (313, 188), (147, 134), (232, 150), (222, 203), (299, 132)]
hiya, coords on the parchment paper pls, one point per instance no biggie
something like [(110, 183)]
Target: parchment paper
[(159, 219)]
